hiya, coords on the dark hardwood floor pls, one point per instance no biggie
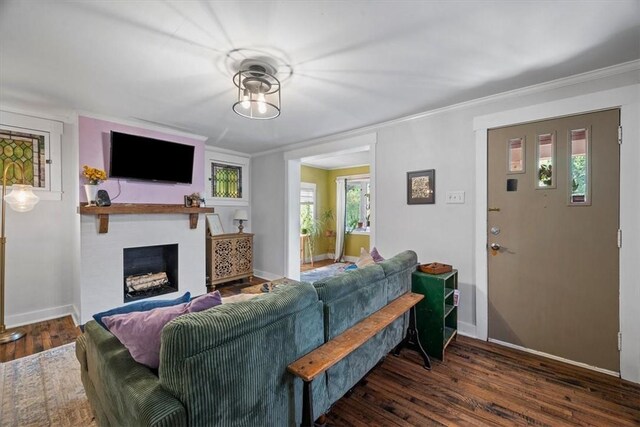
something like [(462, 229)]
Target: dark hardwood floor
[(41, 336), (486, 384), (479, 384)]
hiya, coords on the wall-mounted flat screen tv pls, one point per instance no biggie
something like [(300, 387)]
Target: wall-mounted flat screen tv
[(148, 159)]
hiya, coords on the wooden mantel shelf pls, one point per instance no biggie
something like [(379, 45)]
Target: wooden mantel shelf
[(103, 212)]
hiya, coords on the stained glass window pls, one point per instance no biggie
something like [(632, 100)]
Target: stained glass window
[(226, 181), (28, 151)]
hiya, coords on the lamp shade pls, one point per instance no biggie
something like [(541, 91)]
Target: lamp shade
[(21, 198), (241, 214)]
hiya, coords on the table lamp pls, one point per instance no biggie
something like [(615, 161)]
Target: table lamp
[(21, 199), (241, 215)]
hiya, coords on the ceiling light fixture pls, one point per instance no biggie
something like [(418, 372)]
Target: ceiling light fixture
[(258, 90)]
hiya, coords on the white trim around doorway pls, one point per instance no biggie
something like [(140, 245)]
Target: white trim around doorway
[(628, 100), (292, 193)]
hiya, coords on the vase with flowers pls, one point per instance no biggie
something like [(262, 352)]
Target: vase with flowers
[(94, 176)]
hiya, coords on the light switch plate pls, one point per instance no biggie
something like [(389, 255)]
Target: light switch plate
[(455, 197)]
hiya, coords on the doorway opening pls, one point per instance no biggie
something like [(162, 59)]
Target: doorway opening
[(331, 204)]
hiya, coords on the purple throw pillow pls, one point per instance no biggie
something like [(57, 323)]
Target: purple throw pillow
[(140, 331), (376, 255)]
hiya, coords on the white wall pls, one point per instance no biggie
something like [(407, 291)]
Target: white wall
[(268, 214), (444, 140), (41, 246)]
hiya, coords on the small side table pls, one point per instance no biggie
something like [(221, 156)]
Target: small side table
[(437, 313)]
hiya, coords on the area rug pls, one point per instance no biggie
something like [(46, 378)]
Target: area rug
[(322, 272), (44, 390)]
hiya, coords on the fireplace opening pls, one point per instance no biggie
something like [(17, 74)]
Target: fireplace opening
[(150, 271)]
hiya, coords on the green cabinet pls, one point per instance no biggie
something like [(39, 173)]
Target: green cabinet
[(436, 314)]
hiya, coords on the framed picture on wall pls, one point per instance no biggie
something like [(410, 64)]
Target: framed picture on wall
[(421, 187), (214, 224)]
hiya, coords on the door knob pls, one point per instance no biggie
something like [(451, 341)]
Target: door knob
[(495, 247)]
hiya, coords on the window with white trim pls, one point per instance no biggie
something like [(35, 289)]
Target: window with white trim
[(307, 206), (33, 144), (226, 179), (358, 205)]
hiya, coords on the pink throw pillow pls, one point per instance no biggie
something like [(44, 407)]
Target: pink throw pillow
[(376, 255), (140, 331)]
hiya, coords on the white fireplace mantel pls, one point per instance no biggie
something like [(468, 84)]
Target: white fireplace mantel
[(102, 263)]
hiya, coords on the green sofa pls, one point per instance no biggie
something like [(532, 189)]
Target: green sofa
[(227, 366), (348, 299)]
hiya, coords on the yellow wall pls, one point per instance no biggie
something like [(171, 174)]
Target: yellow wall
[(353, 242), (320, 178), (325, 181)]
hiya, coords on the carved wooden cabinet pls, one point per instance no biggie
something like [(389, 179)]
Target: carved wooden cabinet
[(229, 257)]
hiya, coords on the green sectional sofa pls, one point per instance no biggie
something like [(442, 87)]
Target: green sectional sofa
[(227, 366)]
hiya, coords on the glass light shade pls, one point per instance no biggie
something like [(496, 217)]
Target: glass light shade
[(246, 100), (21, 198), (258, 94), (241, 214)]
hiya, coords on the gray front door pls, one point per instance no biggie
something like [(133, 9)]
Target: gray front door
[(553, 197)]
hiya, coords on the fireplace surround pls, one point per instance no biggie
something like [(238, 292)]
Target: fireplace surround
[(102, 257)]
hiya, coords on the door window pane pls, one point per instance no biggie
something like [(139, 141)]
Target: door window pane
[(515, 150), (545, 161), (579, 167)]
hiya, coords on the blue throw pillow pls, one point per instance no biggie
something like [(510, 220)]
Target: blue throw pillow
[(141, 306)]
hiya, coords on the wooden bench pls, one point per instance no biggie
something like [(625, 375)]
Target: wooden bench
[(313, 364)]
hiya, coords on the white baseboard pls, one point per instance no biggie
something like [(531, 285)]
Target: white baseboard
[(267, 275), (467, 329), (39, 315), (558, 358), (76, 315), (350, 258)]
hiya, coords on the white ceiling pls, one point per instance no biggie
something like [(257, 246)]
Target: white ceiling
[(354, 63)]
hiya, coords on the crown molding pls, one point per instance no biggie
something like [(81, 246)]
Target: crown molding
[(214, 149), (143, 124), (58, 115), (527, 90)]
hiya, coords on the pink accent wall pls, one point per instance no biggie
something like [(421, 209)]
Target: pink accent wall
[(95, 142)]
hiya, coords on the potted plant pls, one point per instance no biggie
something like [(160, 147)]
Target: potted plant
[(94, 176), (315, 228)]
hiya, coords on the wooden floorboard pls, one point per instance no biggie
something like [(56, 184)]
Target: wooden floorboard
[(479, 384), (485, 384), (39, 337)]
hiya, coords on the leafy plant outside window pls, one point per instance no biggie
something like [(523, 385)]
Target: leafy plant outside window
[(578, 175), (545, 174)]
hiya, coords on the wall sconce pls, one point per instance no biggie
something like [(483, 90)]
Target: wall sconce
[(21, 199), (241, 215)]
